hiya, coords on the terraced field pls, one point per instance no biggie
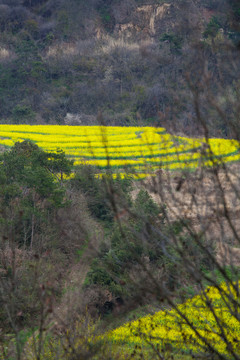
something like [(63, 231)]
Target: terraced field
[(204, 327), (136, 150), (208, 321)]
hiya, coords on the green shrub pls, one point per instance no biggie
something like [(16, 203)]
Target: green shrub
[(175, 41), (23, 114), (212, 27)]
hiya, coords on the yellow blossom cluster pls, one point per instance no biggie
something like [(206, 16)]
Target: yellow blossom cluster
[(209, 322), (140, 149)]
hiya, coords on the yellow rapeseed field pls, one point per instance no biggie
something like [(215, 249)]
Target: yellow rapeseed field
[(136, 150), (207, 323), (210, 318)]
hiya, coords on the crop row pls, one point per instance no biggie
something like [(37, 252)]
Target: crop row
[(191, 326), (121, 147)]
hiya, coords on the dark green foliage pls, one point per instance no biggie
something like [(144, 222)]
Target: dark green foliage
[(107, 17), (113, 263), (145, 205), (86, 181), (58, 163), (126, 247), (99, 275), (30, 188), (62, 24), (212, 27), (98, 192), (175, 41), (234, 22), (144, 235), (22, 114), (235, 6)]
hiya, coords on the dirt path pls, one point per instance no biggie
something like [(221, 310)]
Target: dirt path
[(72, 292)]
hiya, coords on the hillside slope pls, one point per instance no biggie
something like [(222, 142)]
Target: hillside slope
[(130, 61)]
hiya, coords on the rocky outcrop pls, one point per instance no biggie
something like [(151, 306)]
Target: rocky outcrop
[(146, 21), (79, 119)]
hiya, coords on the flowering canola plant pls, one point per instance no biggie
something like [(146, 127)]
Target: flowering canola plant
[(208, 322), (137, 149)]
